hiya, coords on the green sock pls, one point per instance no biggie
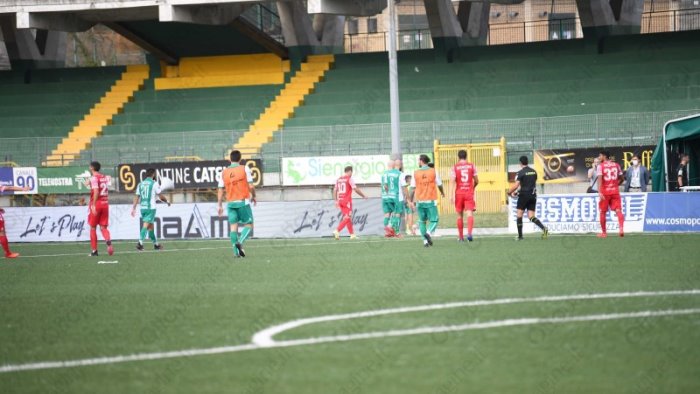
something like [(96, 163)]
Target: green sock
[(234, 240), (421, 225), (432, 227), (152, 236), (244, 233), (142, 236), (396, 223), (386, 221)]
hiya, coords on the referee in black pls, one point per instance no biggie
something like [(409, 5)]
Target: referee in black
[(526, 180)]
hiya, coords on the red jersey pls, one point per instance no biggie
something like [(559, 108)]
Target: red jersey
[(463, 174), (344, 187), (100, 182), (610, 173)]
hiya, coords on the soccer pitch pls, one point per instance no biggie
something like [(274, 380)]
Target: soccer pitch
[(568, 314)]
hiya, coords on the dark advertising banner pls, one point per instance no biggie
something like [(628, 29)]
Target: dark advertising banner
[(185, 175), (572, 165)]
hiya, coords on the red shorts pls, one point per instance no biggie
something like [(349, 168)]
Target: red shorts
[(100, 217), (345, 207), (464, 202), (612, 202)]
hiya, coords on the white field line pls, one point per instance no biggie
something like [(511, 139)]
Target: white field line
[(264, 337), (380, 334)]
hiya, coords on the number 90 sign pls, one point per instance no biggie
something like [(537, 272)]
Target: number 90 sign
[(25, 177)]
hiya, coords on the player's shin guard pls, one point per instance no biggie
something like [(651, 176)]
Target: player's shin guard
[(620, 220), (470, 225), (5, 245), (234, 241), (93, 238), (244, 234), (460, 228), (519, 222), (603, 222), (152, 236), (537, 222), (432, 227)]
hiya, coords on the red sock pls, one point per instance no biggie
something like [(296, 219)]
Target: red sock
[(603, 219), (460, 227), (93, 238), (342, 225), (5, 244), (105, 234), (351, 230), (470, 225), (621, 220)]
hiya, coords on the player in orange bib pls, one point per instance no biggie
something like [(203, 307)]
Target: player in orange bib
[(425, 185), (610, 177), (237, 183), (463, 182)]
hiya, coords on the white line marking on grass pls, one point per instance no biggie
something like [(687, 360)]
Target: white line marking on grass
[(263, 339)]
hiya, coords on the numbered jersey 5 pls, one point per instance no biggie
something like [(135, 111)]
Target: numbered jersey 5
[(463, 175), (100, 183), (610, 172)]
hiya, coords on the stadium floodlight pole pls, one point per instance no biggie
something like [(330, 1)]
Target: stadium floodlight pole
[(394, 85)]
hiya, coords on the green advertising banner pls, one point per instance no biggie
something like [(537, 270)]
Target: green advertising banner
[(65, 180)]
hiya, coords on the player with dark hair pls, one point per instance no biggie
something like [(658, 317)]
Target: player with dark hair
[(3, 237), (99, 208), (147, 192), (464, 180), (526, 181), (425, 184), (237, 182), (342, 194), (610, 176)]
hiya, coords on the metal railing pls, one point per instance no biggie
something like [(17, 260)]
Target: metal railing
[(378, 42), (266, 19), (521, 32), (522, 135)]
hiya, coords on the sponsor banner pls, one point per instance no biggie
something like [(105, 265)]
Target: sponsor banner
[(20, 177), (572, 165), (64, 180), (673, 212), (579, 214), (325, 170), (185, 175), (296, 219)]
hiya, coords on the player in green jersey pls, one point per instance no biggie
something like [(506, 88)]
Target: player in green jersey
[(147, 192), (392, 184)]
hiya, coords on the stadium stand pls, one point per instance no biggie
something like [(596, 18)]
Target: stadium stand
[(39, 107), (99, 116), (527, 82), (285, 104)]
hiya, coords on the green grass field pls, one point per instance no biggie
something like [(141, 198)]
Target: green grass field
[(194, 295)]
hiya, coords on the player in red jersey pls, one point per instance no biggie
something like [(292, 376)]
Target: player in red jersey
[(342, 194), (610, 177), (464, 181), (98, 213), (3, 237)]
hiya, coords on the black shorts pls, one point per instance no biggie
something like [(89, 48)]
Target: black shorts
[(527, 202)]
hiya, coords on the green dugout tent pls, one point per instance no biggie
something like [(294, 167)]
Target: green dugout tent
[(679, 136)]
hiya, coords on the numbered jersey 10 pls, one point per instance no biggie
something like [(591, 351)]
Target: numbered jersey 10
[(99, 182), (344, 187)]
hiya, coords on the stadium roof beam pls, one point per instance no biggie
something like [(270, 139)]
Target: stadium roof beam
[(600, 18), (308, 34), (26, 47), (203, 14), (52, 21), (346, 8), (143, 43)]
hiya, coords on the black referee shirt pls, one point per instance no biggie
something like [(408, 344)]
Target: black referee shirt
[(528, 180), (683, 174)]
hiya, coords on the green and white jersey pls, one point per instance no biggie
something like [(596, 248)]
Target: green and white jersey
[(393, 180), (148, 191)]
